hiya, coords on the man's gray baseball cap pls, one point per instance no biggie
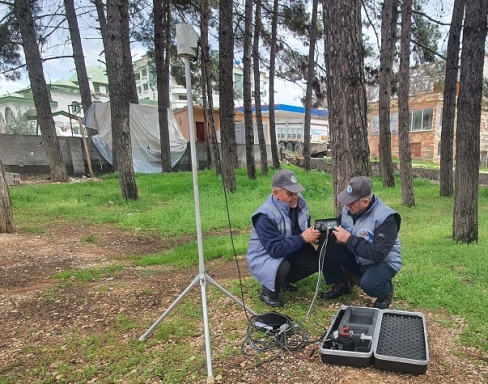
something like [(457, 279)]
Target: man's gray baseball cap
[(358, 187), (286, 179)]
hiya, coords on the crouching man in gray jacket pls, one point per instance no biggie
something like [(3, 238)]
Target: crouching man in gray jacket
[(367, 244), (280, 250)]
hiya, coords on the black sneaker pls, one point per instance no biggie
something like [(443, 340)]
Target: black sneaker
[(272, 302), (289, 287), (337, 290), (385, 303)]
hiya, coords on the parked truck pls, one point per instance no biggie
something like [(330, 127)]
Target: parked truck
[(290, 135)]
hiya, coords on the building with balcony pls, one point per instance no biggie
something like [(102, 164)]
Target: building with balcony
[(144, 73)]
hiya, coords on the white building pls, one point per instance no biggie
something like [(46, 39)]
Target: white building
[(144, 72), (65, 100)]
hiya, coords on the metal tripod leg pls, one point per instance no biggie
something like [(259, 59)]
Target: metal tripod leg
[(230, 295), (202, 280), (170, 308)]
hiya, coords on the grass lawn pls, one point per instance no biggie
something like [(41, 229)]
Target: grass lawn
[(438, 274)]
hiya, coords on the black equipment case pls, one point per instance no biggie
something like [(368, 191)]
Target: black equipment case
[(391, 340)]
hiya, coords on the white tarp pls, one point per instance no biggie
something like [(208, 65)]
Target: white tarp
[(144, 134)]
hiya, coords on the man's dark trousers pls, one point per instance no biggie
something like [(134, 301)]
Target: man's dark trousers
[(295, 267)]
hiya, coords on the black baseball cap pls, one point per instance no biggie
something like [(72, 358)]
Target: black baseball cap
[(358, 187), (286, 179)]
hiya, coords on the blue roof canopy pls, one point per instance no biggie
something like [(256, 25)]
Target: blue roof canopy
[(319, 113)]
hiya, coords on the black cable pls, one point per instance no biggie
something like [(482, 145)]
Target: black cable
[(321, 266), (290, 336), (205, 62), (264, 337)]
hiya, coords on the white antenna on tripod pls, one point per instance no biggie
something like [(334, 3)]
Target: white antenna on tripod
[(187, 44)]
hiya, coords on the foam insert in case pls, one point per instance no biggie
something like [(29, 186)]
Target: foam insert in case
[(401, 345)]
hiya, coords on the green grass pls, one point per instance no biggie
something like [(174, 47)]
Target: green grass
[(438, 274), (90, 239), (89, 275)]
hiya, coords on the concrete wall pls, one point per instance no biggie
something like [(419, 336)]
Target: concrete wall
[(431, 174), (26, 155)]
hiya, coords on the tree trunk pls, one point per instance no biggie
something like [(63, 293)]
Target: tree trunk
[(102, 20), (74, 32), (213, 151), (129, 78), (250, 163), (257, 90), (449, 104), (408, 197), (204, 8), (162, 26), (308, 94), (119, 101), (7, 224), (465, 223), (346, 93), (226, 65), (40, 92), (272, 60), (388, 37)]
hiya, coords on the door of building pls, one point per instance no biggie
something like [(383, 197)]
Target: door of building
[(415, 150), (200, 131)]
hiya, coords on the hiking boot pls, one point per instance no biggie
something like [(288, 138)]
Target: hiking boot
[(337, 290), (272, 302), (385, 303), (289, 287)]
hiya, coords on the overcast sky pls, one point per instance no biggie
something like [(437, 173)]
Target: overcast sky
[(286, 92)]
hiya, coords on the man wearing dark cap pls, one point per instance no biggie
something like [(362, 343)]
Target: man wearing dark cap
[(280, 250), (367, 244)]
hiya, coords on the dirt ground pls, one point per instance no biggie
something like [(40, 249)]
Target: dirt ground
[(28, 261)]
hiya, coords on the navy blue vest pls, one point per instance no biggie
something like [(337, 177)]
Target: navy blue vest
[(262, 266), (364, 227)]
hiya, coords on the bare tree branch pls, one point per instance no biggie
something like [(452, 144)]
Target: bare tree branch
[(12, 69), (43, 60), (372, 25), (54, 29), (430, 18), (428, 49)]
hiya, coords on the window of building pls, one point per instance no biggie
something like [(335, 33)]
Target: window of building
[(145, 87), (439, 120), (9, 116), (144, 73), (96, 88), (238, 85), (137, 76), (182, 97), (375, 124), (139, 90), (421, 119)]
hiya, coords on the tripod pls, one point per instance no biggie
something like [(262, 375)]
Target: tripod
[(203, 276)]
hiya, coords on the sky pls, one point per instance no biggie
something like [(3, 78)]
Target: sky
[(285, 92)]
